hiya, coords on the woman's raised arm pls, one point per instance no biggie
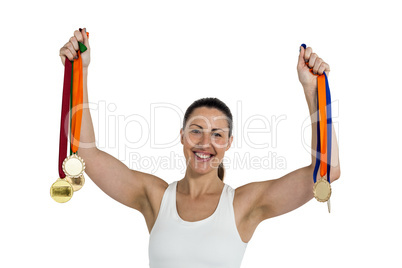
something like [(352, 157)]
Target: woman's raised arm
[(126, 186), (271, 198)]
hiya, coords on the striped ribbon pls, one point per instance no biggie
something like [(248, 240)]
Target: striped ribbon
[(72, 100), (324, 127), (324, 134)]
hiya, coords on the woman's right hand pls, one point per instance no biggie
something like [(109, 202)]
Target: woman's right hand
[(70, 49)]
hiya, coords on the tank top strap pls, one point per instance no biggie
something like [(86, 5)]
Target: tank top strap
[(170, 208), (167, 200), (226, 215), (225, 209), (165, 209)]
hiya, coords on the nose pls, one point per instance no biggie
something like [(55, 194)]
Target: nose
[(205, 141)]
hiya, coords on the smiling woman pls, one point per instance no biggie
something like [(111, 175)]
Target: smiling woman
[(199, 133), (200, 221), (196, 222)]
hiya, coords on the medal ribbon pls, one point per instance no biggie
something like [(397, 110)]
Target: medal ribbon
[(324, 134), (64, 112), (77, 100), (72, 98)]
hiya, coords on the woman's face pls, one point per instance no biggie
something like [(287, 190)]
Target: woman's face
[(205, 139)]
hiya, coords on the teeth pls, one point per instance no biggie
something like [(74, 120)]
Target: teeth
[(204, 156)]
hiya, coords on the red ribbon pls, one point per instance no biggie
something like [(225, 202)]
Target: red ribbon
[(73, 83), (64, 115)]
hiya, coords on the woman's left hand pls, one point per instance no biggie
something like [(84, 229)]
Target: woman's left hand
[(309, 60)]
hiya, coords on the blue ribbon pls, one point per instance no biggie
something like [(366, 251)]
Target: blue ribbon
[(329, 134)]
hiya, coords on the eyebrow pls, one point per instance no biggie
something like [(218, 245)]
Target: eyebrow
[(212, 129)]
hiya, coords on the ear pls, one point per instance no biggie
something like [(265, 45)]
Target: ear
[(181, 136), (229, 143)]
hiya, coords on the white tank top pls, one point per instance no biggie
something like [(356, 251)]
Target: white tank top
[(213, 242)]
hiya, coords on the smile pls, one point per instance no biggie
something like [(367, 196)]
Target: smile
[(203, 156)]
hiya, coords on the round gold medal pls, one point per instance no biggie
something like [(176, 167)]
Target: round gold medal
[(322, 190), (61, 191), (77, 183), (73, 166)]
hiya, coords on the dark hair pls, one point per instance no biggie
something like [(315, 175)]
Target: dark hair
[(217, 104)]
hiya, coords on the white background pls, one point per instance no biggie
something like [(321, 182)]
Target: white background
[(147, 52)]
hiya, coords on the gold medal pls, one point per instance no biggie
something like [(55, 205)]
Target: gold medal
[(322, 187), (61, 191), (322, 190), (77, 183), (73, 166)]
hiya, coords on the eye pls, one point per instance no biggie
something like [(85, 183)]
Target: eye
[(195, 131), (217, 135)]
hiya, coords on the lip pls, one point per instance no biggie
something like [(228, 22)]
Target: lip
[(203, 152), (202, 159)]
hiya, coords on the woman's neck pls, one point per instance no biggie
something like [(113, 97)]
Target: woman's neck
[(196, 185)]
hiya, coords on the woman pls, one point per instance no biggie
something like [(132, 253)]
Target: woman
[(199, 221)]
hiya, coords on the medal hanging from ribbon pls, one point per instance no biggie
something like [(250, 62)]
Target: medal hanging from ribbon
[(322, 187), (71, 168)]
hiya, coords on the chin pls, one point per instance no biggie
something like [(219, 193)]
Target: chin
[(202, 167)]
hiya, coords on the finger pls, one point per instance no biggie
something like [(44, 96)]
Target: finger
[(78, 36), (82, 37), (62, 57), (311, 61), (301, 61), (317, 64), (74, 42), (324, 67), (65, 52), (327, 68), (85, 36), (72, 48), (307, 54), (321, 69)]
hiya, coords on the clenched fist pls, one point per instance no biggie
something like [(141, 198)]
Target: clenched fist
[(70, 49), (309, 60)]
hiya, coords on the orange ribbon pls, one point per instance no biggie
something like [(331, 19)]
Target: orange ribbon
[(322, 110), (77, 102), (322, 107)]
